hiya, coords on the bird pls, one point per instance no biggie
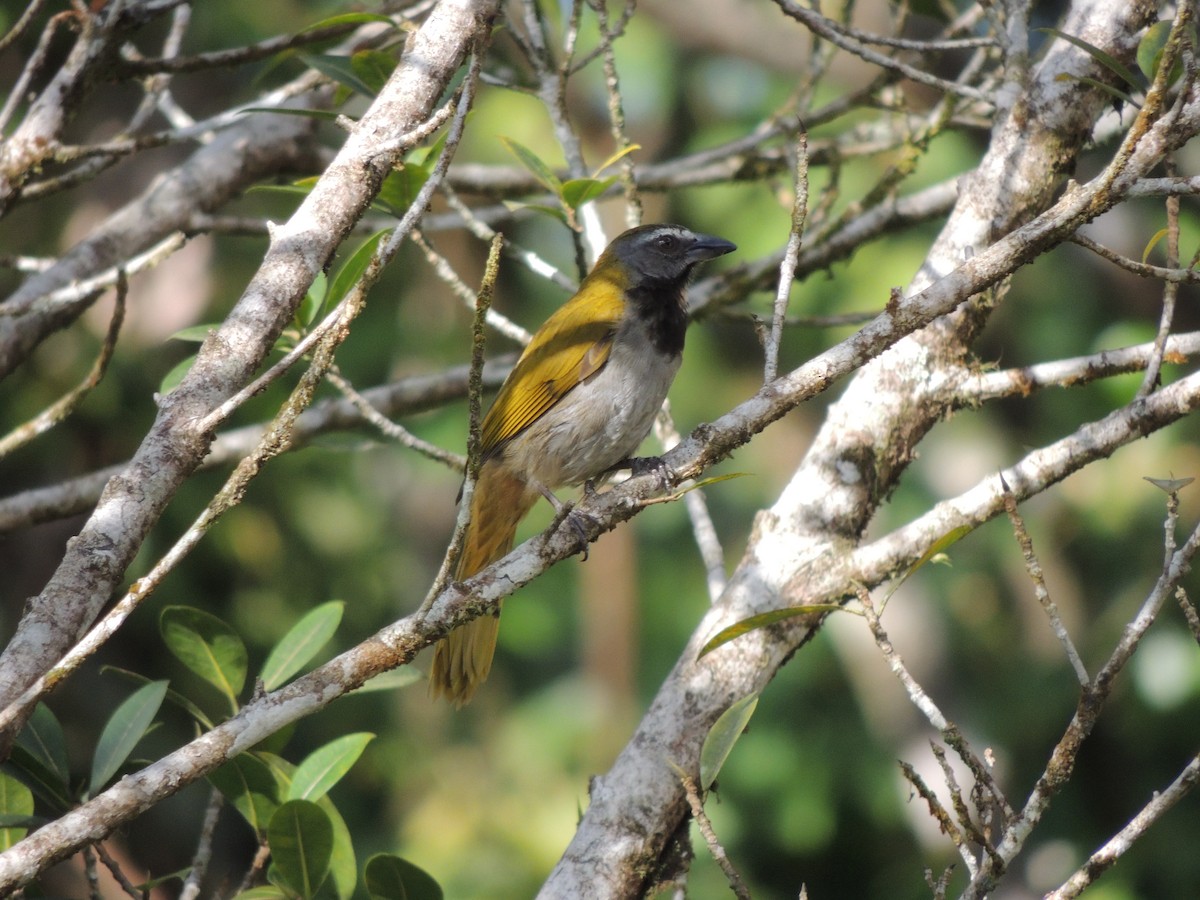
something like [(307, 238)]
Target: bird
[(579, 401)]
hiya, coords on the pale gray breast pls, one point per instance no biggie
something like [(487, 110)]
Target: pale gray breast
[(602, 420)]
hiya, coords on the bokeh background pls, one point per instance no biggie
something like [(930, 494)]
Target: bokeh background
[(485, 799)]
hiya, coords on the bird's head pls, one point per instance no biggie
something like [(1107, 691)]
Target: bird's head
[(661, 254)]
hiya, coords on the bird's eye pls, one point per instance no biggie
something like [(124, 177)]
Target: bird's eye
[(665, 242)]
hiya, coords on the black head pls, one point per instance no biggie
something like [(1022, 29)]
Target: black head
[(662, 254)]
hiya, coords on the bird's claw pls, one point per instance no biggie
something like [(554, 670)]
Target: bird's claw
[(568, 514), (651, 465)]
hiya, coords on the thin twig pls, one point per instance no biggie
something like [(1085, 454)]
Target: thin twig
[(704, 531), (1106, 857), (704, 824), (69, 402), (390, 429), (1169, 275), (74, 292), (204, 847), (445, 271), (475, 404), (616, 109), (114, 869), (1034, 568), (787, 268)]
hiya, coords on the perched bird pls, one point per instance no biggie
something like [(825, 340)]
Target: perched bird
[(579, 401)]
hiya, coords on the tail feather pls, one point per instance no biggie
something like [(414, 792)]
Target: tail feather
[(462, 659)]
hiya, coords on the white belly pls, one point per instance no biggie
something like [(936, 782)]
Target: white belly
[(599, 422)]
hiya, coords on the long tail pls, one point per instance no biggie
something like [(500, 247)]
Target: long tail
[(462, 659)]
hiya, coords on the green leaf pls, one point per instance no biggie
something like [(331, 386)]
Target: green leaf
[(762, 620), (328, 115), (722, 736), (354, 267), (616, 157), (16, 802), (1150, 244), (1109, 62), (43, 737), (373, 67), (1169, 485), (262, 892), (195, 334), (173, 696), (123, 731), (325, 766), (296, 648), (400, 188), (356, 18), (553, 211), (33, 772), (388, 877), (250, 785), (207, 646), (390, 681), (950, 537), (314, 300), (579, 191), (1150, 48), (301, 839), (343, 865), (339, 69), (171, 380), (531, 161)]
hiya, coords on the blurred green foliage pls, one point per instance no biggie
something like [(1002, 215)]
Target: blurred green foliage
[(485, 799)]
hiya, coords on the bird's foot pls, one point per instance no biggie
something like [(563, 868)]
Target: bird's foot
[(578, 522), (648, 465)]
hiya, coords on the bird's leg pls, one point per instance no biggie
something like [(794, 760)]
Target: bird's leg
[(565, 512)]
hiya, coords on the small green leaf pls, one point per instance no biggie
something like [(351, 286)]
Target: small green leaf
[(171, 380), (301, 643), (950, 537), (301, 839), (262, 892), (388, 877), (325, 766), (207, 646), (579, 191), (45, 783), (1150, 244), (722, 736), (1109, 62), (250, 785), (400, 188), (314, 300), (339, 69), (354, 267), (616, 157), (343, 865), (325, 114), (1150, 48), (390, 681), (531, 161), (16, 804), (373, 67), (762, 620), (356, 18), (554, 212), (173, 697), (195, 334), (43, 737), (1169, 485), (123, 731)]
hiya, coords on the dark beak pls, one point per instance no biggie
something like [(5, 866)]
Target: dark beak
[(705, 246)]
